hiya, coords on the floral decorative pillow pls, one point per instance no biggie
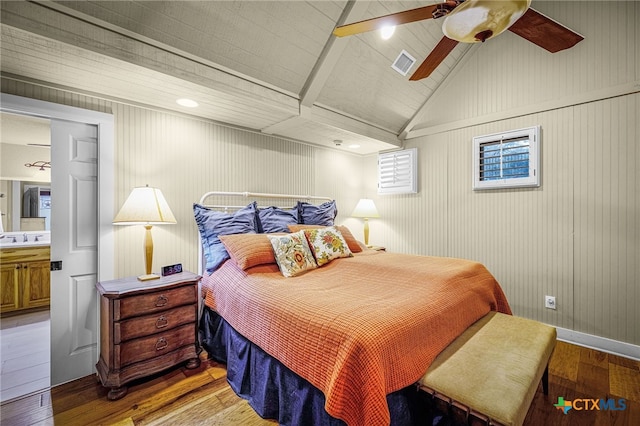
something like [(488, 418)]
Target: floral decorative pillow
[(292, 253), (327, 244), (353, 244)]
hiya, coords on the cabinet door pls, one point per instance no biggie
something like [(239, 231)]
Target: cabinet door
[(36, 284), (9, 285)]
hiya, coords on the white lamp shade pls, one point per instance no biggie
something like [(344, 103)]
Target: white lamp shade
[(365, 208), (479, 20), (145, 206)]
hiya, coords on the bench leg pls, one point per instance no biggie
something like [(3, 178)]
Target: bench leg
[(545, 380)]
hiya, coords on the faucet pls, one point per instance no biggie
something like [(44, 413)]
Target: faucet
[(24, 238)]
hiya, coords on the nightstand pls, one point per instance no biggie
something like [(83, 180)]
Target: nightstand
[(146, 327)]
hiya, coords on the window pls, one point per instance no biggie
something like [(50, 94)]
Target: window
[(397, 172), (507, 160)]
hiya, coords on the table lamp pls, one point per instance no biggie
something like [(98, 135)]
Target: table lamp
[(145, 206), (366, 209)]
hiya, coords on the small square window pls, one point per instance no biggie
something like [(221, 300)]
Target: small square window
[(507, 160)]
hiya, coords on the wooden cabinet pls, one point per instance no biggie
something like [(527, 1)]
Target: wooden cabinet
[(10, 287), (146, 327), (24, 278)]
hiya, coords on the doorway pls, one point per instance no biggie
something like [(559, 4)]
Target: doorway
[(62, 358), (25, 201)]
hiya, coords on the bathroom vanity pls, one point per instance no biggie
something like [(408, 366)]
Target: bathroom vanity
[(24, 272)]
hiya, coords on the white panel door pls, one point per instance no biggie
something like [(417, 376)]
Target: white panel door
[(74, 241)]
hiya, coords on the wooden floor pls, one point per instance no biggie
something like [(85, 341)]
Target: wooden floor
[(24, 354), (202, 396)]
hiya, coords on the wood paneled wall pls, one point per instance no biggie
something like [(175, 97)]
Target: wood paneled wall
[(577, 237), (187, 157)]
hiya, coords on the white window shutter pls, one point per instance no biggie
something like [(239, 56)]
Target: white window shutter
[(507, 160), (398, 172)]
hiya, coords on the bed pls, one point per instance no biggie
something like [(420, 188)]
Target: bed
[(338, 343)]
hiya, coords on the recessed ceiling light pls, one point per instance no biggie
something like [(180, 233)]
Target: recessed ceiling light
[(187, 103), (354, 146)]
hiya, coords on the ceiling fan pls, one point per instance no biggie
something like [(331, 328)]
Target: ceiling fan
[(473, 21)]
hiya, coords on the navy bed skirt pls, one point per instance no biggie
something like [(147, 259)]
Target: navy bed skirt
[(275, 392)]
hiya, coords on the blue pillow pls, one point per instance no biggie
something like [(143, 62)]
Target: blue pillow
[(274, 219), (213, 223), (323, 214)]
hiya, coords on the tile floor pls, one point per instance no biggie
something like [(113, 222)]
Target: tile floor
[(25, 352)]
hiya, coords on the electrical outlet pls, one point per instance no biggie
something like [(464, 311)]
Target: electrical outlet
[(550, 302)]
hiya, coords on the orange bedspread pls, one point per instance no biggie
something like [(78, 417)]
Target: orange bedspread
[(358, 328)]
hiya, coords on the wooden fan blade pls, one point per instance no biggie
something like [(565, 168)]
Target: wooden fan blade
[(545, 32), (399, 18), (437, 55)]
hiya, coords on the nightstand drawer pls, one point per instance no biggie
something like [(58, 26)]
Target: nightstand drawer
[(153, 346), (127, 307), (154, 323)]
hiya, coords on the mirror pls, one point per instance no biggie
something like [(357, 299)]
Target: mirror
[(24, 140)]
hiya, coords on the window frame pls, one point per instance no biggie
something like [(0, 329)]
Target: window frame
[(532, 134)]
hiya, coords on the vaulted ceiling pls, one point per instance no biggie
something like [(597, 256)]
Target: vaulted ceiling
[(268, 66)]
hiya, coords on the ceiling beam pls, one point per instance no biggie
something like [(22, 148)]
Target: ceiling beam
[(329, 57), (341, 121), (331, 53), (328, 119), (528, 110)]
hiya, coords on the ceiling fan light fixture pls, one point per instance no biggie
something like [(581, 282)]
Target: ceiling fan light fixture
[(387, 31), (479, 20)]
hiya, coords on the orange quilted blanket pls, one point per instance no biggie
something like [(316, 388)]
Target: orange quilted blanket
[(358, 328)]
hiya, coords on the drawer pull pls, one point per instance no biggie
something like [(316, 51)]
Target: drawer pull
[(162, 322), (162, 300), (161, 344)]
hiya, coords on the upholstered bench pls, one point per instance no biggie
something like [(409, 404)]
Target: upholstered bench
[(491, 372)]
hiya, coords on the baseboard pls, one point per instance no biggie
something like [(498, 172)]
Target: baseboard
[(603, 344)]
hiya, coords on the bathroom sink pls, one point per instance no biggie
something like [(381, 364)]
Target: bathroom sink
[(17, 239)]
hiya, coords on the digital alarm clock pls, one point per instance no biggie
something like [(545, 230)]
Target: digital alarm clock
[(171, 269)]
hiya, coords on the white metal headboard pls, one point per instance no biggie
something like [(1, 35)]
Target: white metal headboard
[(258, 195), (252, 195)]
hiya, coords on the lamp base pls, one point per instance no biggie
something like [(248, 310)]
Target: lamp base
[(148, 277)]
